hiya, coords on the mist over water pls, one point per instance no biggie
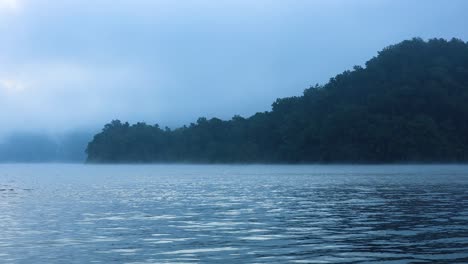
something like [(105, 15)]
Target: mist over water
[(234, 214), (75, 66), (236, 81), (44, 147)]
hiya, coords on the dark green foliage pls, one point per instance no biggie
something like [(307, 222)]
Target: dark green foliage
[(408, 104)]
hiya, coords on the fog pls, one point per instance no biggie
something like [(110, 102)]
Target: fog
[(70, 66)]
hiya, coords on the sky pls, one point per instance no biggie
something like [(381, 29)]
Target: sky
[(78, 64)]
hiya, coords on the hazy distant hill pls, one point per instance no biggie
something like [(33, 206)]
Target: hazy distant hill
[(408, 104), (37, 147)]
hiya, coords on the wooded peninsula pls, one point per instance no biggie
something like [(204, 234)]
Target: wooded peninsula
[(408, 104)]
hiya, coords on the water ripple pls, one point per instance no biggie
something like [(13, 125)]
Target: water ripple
[(234, 214)]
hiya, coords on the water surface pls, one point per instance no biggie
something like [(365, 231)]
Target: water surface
[(58, 213)]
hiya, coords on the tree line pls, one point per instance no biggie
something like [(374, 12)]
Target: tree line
[(407, 104)]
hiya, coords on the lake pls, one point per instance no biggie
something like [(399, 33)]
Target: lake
[(62, 213)]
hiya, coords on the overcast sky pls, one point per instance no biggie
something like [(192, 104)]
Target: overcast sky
[(81, 63)]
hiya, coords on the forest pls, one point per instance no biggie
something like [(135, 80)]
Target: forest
[(407, 104)]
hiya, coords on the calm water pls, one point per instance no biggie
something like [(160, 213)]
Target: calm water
[(233, 214)]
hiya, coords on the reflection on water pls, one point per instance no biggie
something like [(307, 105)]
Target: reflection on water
[(238, 214)]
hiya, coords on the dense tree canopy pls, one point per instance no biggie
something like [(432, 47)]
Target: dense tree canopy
[(408, 104)]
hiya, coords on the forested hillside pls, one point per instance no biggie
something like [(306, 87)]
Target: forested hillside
[(408, 104)]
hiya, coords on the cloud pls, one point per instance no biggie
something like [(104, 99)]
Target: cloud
[(10, 5), (11, 85), (71, 64), (56, 96)]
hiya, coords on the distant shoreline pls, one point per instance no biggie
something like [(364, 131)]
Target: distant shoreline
[(235, 164)]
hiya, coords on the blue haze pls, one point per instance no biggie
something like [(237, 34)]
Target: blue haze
[(68, 65)]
